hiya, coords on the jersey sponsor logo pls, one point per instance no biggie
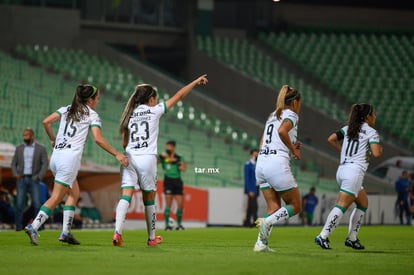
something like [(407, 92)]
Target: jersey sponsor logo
[(63, 145), (267, 151), (140, 145), (143, 113)]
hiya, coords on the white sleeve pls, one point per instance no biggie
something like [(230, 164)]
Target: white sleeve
[(160, 109), (95, 120), (374, 138)]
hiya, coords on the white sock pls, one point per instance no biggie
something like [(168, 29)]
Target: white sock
[(121, 211), (150, 217), (355, 223), (40, 219), (280, 215), (68, 215), (332, 221)]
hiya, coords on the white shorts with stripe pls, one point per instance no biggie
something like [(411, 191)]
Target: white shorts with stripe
[(141, 173), (350, 178), (65, 167), (276, 172)]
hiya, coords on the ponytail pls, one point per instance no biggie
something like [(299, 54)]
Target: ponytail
[(78, 108), (285, 98), (357, 117), (142, 95)]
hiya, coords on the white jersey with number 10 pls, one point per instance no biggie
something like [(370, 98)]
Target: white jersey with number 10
[(143, 129), (358, 151), (272, 145)]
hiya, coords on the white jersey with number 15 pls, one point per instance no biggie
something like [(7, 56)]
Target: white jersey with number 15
[(72, 135)]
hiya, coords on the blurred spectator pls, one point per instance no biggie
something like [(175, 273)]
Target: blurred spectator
[(88, 210), (251, 189), (411, 195), (309, 202), (44, 192), (6, 209), (29, 165), (77, 218), (401, 187)]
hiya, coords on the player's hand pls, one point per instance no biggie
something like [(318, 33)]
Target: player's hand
[(202, 80), (296, 153), (298, 145), (52, 143), (296, 150), (123, 160)]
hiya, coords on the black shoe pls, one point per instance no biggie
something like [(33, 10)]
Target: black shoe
[(180, 227), (324, 243), (69, 238), (354, 244), (168, 228)]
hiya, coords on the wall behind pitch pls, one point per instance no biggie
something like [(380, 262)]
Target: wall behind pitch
[(227, 207), (35, 25)]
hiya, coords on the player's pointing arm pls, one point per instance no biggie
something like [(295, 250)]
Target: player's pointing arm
[(202, 80)]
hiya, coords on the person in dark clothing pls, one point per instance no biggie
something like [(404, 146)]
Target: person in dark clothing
[(29, 165), (401, 187), (309, 202), (6, 210), (251, 189)]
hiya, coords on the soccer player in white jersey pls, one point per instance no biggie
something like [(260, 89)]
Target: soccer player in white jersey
[(75, 122), (273, 174), (359, 142), (139, 128)]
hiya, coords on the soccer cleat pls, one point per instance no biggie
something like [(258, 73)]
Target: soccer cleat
[(324, 243), (264, 230), (32, 234), (263, 248), (154, 242), (168, 228), (354, 244), (69, 238), (180, 227), (117, 240)]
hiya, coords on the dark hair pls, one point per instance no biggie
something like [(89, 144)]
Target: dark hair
[(285, 98), (142, 95), (28, 129), (357, 116), (78, 109), (253, 150), (171, 142)]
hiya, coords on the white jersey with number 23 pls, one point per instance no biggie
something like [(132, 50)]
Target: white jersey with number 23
[(143, 129)]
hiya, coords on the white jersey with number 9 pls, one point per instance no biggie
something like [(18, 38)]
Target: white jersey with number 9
[(272, 144)]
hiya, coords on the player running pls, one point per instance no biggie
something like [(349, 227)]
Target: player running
[(75, 121), (359, 142), (139, 128), (273, 168)]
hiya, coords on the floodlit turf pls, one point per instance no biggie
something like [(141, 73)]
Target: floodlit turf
[(389, 250)]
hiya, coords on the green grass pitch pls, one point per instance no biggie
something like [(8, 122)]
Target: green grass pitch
[(389, 250)]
